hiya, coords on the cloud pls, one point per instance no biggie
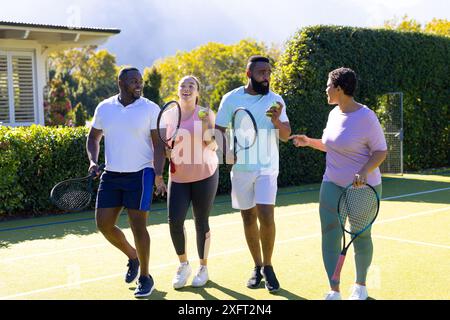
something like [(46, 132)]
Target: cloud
[(152, 29)]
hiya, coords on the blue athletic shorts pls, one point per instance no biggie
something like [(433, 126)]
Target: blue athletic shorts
[(130, 190)]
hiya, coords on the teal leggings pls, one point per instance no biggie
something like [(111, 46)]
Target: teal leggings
[(332, 234)]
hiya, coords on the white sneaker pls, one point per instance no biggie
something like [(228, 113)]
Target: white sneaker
[(201, 278), (183, 273), (359, 292), (333, 295)]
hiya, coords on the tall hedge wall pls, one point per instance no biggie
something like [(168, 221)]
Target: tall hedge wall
[(32, 160), (385, 61)]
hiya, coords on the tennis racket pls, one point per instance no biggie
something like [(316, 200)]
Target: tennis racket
[(168, 123), (244, 130), (357, 210), (74, 194)]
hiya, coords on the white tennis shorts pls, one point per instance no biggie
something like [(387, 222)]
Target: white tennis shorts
[(251, 188)]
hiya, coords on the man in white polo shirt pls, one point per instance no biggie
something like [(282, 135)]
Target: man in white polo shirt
[(254, 174), (134, 159)]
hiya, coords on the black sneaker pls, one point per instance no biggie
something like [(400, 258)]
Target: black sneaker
[(272, 283), (255, 279), (133, 270), (145, 287)]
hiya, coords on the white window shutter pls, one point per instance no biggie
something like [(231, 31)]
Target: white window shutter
[(4, 96), (23, 84)]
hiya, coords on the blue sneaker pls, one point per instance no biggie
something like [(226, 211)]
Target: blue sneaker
[(272, 283), (133, 270), (145, 286)]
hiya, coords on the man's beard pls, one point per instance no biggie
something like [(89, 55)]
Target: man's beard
[(259, 87)]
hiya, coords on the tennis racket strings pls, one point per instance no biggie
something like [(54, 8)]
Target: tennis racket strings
[(72, 195), (358, 208), (244, 130), (168, 124)]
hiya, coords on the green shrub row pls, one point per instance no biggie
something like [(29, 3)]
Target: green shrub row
[(35, 158)]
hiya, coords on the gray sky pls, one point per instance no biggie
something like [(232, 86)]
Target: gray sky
[(153, 29)]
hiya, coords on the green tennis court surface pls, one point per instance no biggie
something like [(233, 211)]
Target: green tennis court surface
[(65, 257)]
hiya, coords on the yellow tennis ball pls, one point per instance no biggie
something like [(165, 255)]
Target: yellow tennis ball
[(202, 114), (275, 105)]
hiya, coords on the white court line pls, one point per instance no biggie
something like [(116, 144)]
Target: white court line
[(239, 222), (158, 235), (415, 194), (161, 266), (214, 255), (293, 213), (23, 294), (51, 253), (224, 253), (417, 214), (412, 242)]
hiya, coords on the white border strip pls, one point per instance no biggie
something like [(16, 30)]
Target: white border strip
[(231, 252), (415, 194), (417, 214), (412, 242), (243, 249)]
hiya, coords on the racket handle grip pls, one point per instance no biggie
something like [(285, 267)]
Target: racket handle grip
[(100, 169), (337, 271)]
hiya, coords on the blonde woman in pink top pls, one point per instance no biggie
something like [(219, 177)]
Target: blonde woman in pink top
[(194, 181), (355, 145)]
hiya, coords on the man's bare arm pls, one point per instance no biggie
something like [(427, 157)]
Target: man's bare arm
[(93, 148)]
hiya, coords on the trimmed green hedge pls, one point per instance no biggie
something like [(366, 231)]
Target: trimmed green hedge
[(32, 160), (385, 61)]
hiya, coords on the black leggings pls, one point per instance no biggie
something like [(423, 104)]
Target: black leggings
[(179, 196)]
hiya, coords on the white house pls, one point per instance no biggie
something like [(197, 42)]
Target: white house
[(24, 49)]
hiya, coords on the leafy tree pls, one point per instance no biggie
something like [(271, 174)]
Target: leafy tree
[(96, 79), (219, 67), (57, 106), (89, 75), (227, 82), (79, 115), (435, 26), (406, 24), (438, 26), (152, 85)]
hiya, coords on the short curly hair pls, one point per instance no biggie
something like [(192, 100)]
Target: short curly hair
[(344, 78), (254, 59)]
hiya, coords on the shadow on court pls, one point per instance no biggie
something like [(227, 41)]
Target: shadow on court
[(156, 295), (400, 186), (288, 295), (82, 224), (205, 295)]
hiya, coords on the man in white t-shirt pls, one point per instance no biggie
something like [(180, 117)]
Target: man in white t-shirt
[(255, 171), (134, 159)]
